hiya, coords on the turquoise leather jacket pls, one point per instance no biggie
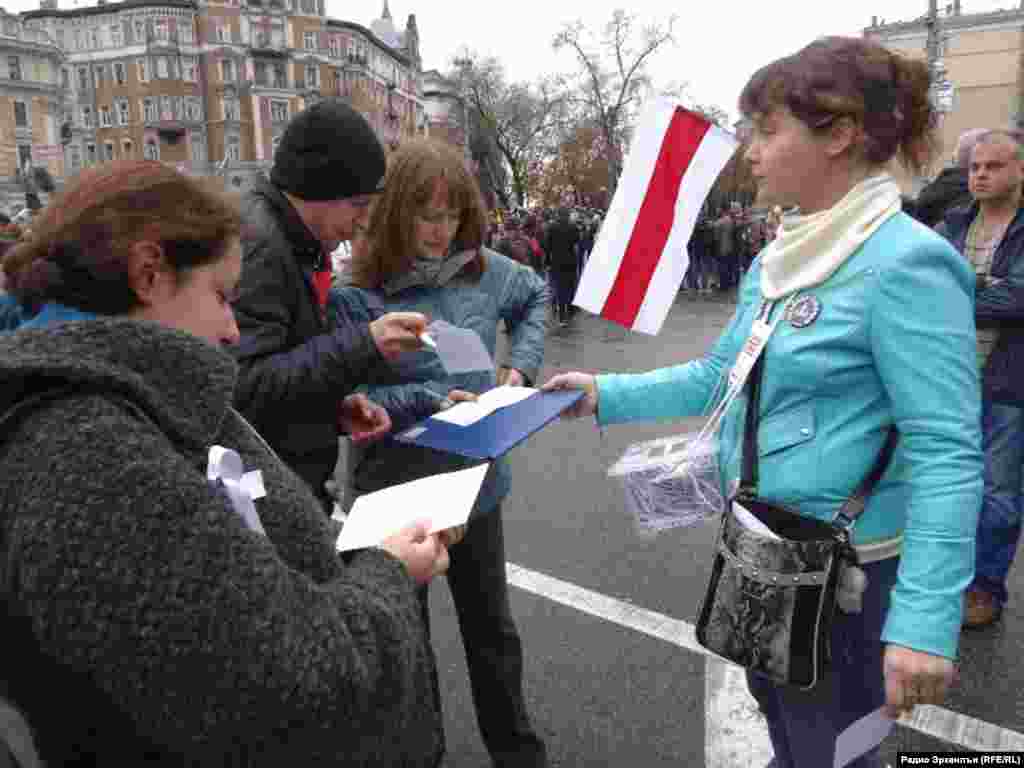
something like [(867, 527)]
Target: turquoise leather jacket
[(894, 344)]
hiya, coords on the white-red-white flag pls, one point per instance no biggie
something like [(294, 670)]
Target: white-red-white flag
[(639, 260)]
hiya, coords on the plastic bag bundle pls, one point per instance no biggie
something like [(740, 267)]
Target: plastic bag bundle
[(671, 482)]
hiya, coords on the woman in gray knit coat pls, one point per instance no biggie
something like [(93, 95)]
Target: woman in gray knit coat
[(145, 618)]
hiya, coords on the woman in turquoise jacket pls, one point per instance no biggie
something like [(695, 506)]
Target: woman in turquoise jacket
[(423, 252), (875, 329)]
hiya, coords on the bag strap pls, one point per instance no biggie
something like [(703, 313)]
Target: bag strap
[(854, 506)]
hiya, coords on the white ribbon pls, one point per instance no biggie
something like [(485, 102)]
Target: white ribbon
[(243, 488)]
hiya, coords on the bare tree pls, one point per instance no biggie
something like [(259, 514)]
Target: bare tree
[(518, 117), (612, 77)]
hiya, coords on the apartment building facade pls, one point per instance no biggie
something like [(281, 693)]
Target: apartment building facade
[(209, 85), (981, 54), (31, 104)]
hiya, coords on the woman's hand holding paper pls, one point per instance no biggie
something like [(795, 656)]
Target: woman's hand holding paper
[(585, 406), (424, 554)]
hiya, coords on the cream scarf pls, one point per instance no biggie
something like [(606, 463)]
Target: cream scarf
[(808, 250)]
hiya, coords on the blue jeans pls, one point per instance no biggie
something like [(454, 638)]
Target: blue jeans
[(804, 725), (999, 524)]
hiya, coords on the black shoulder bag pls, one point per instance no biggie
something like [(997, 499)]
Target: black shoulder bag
[(770, 601)]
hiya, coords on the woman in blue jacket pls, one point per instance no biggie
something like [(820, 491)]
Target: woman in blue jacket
[(875, 329), (423, 252)]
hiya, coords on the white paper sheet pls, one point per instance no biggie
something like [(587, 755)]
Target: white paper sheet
[(748, 520), (861, 736), (446, 500), (464, 414), (461, 350)]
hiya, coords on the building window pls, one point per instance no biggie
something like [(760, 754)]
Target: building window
[(279, 111), (151, 150), (193, 109), (75, 159), (87, 117), (230, 107), (309, 41), (179, 109), (123, 113), (143, 70), (108, 151), (223, 34), (166, 108), (227, 70), (120, 73), (234, 149), (78, 39), (280, 76), (189, 69), (140, 31), (65, 78), (161, 66), (14, 67), (24, 157), (312, 76), (259, 72), (149, 110), (90, 154), (126, 149), (308, 6), (100, 74), (105, 121), (197, 145), (185, 33), (335, 45), (20, 114), (115, 35), (94, 38), (83, 79), (161, 30)]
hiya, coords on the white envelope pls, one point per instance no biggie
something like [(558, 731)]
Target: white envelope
[(445, 500)]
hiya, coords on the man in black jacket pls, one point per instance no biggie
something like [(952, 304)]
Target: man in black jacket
[(298, 366), (560, 245)]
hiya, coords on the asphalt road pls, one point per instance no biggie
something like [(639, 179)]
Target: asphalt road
[(601, 694)]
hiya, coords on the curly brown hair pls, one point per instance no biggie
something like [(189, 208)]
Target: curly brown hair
[(886, 93), (387, 248), (79, 249)]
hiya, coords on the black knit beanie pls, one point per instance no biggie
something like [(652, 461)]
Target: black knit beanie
[(328, 152)]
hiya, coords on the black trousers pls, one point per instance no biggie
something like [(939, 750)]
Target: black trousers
[(494, 652)]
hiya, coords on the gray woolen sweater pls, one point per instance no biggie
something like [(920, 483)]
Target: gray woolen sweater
[(142, 620)]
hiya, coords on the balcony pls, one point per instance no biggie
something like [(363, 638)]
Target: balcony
[(355, 61), (264, 45), (278, 83)]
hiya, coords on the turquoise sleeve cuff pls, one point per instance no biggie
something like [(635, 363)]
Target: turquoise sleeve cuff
[(926, 607)]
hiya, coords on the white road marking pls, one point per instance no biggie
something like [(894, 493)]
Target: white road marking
[(727, 700)]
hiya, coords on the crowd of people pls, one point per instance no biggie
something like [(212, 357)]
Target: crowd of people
[(159, 324)]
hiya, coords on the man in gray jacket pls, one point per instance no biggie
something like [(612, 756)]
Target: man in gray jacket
[(299, 366)]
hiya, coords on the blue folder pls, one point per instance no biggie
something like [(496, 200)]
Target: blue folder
[(495, 434)]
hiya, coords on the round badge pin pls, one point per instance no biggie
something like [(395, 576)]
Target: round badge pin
[(804, 311)]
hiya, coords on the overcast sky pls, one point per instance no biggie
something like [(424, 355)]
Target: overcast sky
[(720, 44)]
